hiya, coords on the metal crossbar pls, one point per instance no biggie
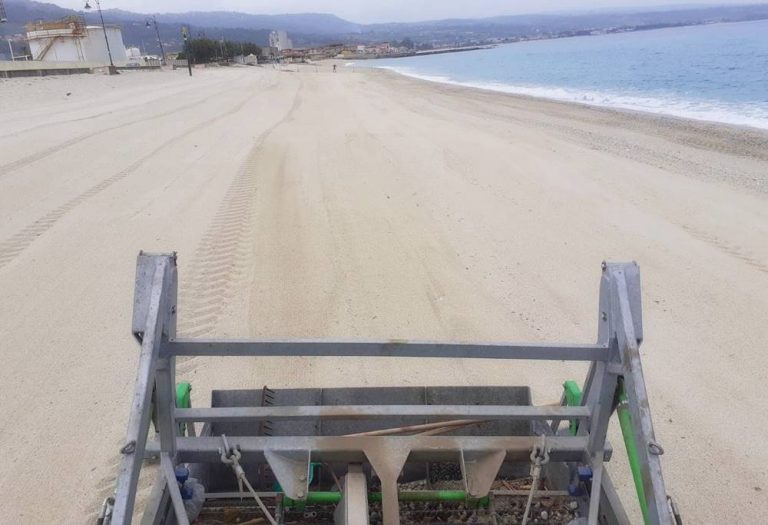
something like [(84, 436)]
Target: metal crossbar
[(308, 348), (357, 449), (228, 414), (614, 356)]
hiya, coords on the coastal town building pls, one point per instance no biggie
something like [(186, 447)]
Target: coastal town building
[(320, 53), (248, 60), (280, 40), (294, 56)]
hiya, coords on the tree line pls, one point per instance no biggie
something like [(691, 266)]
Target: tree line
[(205, 50)]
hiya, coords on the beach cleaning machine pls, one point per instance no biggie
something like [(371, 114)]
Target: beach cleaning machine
[(358, 456)]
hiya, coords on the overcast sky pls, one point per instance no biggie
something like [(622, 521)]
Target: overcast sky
[(367, 11)]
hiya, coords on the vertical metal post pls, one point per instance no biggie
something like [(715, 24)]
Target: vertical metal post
[(166, 465), (353, 507), (154, 320), (647, 447), (187, 47), (165, 375), (159, 40), (104, 28), (621, 327), (598, 395)]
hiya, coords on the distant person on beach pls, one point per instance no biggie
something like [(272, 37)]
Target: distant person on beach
[(334, 68)]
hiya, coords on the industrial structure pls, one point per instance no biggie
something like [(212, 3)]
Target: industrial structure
[(280, 40), (71, 40), (360, 456)]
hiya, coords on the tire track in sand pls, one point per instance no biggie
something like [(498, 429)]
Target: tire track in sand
[(16, 244), (122, 109), (47, 152), (221, 255), (727, 248), (224, 249)]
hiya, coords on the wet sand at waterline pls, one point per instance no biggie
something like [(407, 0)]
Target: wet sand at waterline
[(362, 204)]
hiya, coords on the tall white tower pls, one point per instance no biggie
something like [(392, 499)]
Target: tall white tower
[(280, 40)]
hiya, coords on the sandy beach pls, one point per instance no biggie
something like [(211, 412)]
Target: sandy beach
[(363, 204)]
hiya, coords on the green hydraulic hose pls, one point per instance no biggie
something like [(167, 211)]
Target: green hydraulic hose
[(435, 495), (572, 394), (573, 398), (183, 400), (328, 498), (625, 421)]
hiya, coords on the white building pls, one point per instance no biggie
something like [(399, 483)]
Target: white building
[(280, 40), (70, 40)]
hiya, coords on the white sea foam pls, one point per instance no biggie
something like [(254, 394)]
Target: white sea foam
[(711, 111)]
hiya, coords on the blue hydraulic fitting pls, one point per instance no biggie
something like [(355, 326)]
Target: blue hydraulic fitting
[(186, 491), (585, 473), (182, 474)]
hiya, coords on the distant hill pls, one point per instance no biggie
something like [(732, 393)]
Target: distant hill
[(506, 27), (314, 28), (305, 29), (308, 23)]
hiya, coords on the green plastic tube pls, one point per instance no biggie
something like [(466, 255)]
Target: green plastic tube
[(183, 400), (572, 399), (329, 498), (625, 421)]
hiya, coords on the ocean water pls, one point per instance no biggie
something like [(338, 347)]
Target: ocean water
[(716, 72)]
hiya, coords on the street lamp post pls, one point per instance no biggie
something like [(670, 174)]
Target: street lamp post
[(104, 28), (3, 20), (187, 47), (159, 40)]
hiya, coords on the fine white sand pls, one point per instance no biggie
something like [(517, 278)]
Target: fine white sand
[(362, 204)]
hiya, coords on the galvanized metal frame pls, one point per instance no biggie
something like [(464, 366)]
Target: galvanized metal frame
[(614, 355)]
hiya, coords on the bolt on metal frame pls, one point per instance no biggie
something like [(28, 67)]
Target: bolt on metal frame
[(615, 355)]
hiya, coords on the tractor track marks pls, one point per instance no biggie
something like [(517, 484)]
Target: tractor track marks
[(47, 152), (16, 244), (728, 248), (224, 251), (57, 123), (105, 486), (122, 109)]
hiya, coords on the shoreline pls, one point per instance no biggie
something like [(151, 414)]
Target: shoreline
[(512, 90), (439, 51), (630, 127)]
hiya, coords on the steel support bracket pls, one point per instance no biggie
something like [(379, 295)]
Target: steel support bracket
[(479, 469), (387, 459), (291, 468)]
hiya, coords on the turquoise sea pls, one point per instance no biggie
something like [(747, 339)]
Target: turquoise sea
[(716, 72)]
